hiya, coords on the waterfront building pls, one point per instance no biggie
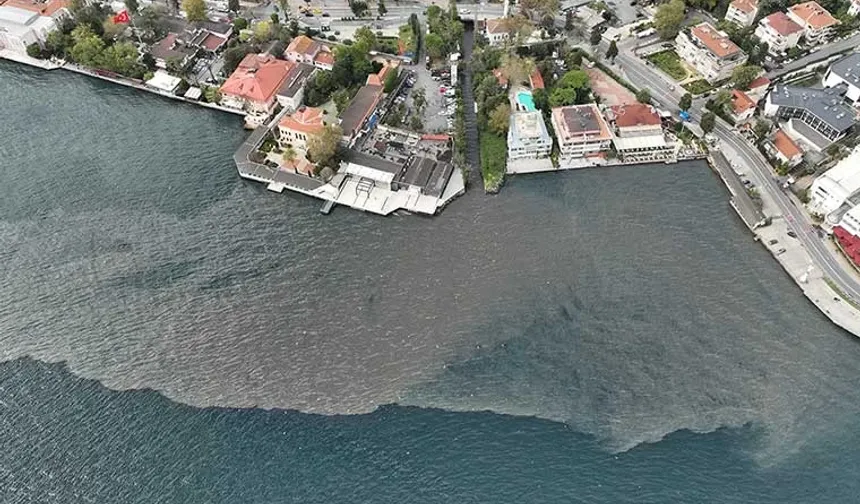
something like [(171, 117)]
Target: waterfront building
[(743, 107), (784, 149), (254, 86), (639, 133), (581, 131), (709, 51), (297, 128), (845, 72), (27, 22), (837, 187), (779, 32), (815, 117), (172, 49), (304, 49), (816, 22), (360, 112), (528, 137), (292, 91), (742, 12)]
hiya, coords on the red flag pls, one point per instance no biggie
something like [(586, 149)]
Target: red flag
[(122, 17)]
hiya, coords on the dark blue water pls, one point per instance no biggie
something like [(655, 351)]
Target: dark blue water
[(608, 335)]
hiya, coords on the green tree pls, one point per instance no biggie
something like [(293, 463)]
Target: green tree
[(612, 52), (323, 147), (743, 76), (499, 119), (686, 102), (643, 95), (240, 24), (365, 39), (233, 5), (541, 99), (668, 19), (274, 18), (390, 80), (195, 10), (262, 31), (571, 89), (419, 99), (516, 68), (34, 51), (88, 46), (709, 120), (341, 99), (121, 58), (132, 6), (111, 30), (539, 10), (289, 154), (435, 46), (761, 129), (595, 37)]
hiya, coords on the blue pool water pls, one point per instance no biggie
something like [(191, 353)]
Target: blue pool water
[(525, 99)]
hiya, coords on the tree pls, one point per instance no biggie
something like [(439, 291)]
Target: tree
[(88, 46), (643, 96), (359, 8), (709, 120), (380, 7), (541, 99), (323, 147), (516, 68), (341, 99), (419, 99), (233, 5), (365, 39), (195, 10), (34, 51), (390, 80), (111, 30), (132, 6), (274, 18), (539, 10), (571, 89), (612, 52), (289, 154), (668, 19), (743, 76), (435, 46), (761, 129), (686, 102), (240, 24), (262, 31), (499, 119), (595, 37)]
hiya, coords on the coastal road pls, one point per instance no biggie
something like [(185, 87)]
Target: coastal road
[(644, 76)]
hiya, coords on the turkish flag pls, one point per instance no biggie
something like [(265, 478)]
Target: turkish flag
[(122, 17)]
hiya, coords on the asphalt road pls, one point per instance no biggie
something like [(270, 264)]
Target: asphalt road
[(823, 53), (644, 76)]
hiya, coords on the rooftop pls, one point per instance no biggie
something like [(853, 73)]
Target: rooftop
[(759, 82), (527, 126), (714, 40), (814, 15), (304, 45), (782, 24), (305, 120), (746, 6), (361, 106), (848, 68), (170, 47), (213, 41), (741, 102), (370, 161), (635, 114), (258, 77), (580, 121), (324, 58), (826, 104), (497, 25), (43, 8), (843, 180), (18, 16), (785, 145), (430, 174), (536, 80), (295, 80)]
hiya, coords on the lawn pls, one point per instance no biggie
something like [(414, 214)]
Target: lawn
[(698, 87), (493, 161), (669, 62)]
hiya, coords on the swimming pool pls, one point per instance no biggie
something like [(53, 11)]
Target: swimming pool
[(526, 101)]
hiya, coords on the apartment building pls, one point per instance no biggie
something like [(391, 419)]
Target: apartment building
[(816, 22), (845, 72), (779, 32), (742, 12), (581, 131), (709, 51), (528, 137), (639, 133), (816, 117)]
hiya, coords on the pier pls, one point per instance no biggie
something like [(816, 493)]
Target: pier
[(741, 201)]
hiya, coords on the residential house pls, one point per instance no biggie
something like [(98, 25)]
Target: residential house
[(254, 86), (817, 23), (292, 91), (784, 149), (854, 8), (743, 107), (173, 51), (304, 49), (836, 188), (815, 117), (378, 79), (536, 80), (845, 72), (528, 137), (779, 32), (758, 88), (639, 133), (709, 51), (497, 30), (27, 22), (742, 12), (581, 131), (296, 129), (360, 112)]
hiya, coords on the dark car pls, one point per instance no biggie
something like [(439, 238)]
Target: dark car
[(309, 14), (325, 14), (792, 234)]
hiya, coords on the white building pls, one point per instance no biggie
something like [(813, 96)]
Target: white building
[(497, 30), (528, 137), (709, 51), (815, 117), (845, 71), (581, 131), (27, 22), (639, 133), (836, 186), (854, 8), (742, 12), (779, 31), (817, 23)]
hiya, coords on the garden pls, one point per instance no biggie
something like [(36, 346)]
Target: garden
[(698, 87), (669, 62)]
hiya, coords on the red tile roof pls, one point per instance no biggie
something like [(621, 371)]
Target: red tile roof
[(715, 41), (785, 145), (500, 76), (849, 243), (813, 14), (783, 24), (213, 42), (257, 78), (498, 25), (304, 45), (635, 114), (741, 102), (324, 58), (436, 137), (760, 82), (46, 8), (536, 80), (305, 120), (746, 6)]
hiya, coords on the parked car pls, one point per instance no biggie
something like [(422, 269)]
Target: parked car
[(791, 234)]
